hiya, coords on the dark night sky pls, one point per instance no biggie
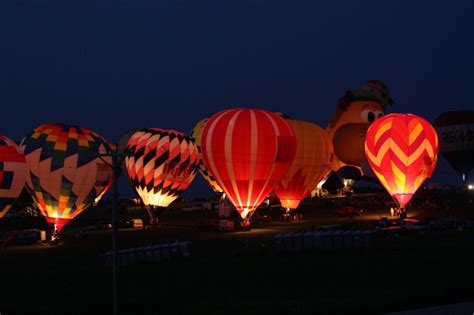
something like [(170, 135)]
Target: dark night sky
[(116, 65)]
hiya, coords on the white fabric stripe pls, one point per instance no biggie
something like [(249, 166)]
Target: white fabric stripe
[(253, 152), (228, 155)]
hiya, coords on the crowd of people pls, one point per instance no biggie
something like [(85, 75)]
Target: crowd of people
[(434, 200)]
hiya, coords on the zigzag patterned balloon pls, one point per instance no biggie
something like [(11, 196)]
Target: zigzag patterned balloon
[(163, 164), (402, 150)]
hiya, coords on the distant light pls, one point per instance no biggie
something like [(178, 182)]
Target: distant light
[(470, 187)]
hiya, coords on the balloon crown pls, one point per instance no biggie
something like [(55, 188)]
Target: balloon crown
[(372, 90)]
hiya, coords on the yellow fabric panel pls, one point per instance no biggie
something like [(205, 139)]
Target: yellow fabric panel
[(400, 178), (384, 128), (313, 148), (415, 133)]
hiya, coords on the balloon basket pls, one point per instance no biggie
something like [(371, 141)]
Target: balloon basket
[(55, 239), (245, 225)]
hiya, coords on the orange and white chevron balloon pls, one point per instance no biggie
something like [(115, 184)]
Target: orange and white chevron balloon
[(402, 150)]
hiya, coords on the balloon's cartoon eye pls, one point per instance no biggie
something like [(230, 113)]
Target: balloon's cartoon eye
[(367, 116)]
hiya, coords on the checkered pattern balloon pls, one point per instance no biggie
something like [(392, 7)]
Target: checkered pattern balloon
[(66, 173), (163, 164), (13, 172)]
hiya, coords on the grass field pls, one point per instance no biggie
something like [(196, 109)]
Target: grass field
[(224, 275)]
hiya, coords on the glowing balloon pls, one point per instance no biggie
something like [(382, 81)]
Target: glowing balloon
[(248, 151), (102, 194), (356, 110), (456, 140), (311, 165), (196, 133), (66, 171), (113, 148), (349, 142), (163, 164), (402, 150), (13, 172)]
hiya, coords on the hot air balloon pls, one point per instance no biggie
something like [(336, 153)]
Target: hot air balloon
[(13, 172), (311, 165), (196, 134), (402, 150), (163, 163), (247, 151), (102, 194), (67, 171), (456, 140), (113, 148), (356, 110)]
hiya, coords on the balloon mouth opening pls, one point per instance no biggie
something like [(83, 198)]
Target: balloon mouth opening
[(57, 225), (246, 213), (403, 199), (290, 203)]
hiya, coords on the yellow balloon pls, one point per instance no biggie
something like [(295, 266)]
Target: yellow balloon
[(312, 163)]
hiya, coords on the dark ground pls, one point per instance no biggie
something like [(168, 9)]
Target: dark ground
[(224, 276)]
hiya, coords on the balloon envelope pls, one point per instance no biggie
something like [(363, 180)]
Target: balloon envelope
[(349, 141), (163, 164), (196, 133), (456, 139), (66, 171), (247, 151), (356, 110), (13, 172), (402, 150), (311, 165), (113, 148)]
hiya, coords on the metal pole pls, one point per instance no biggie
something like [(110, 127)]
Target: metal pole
[(115, 166)]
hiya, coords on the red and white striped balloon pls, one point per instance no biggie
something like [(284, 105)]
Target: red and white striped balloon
[(248, 151)]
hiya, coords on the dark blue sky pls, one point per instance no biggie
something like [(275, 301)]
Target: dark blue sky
[(116, 65)]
